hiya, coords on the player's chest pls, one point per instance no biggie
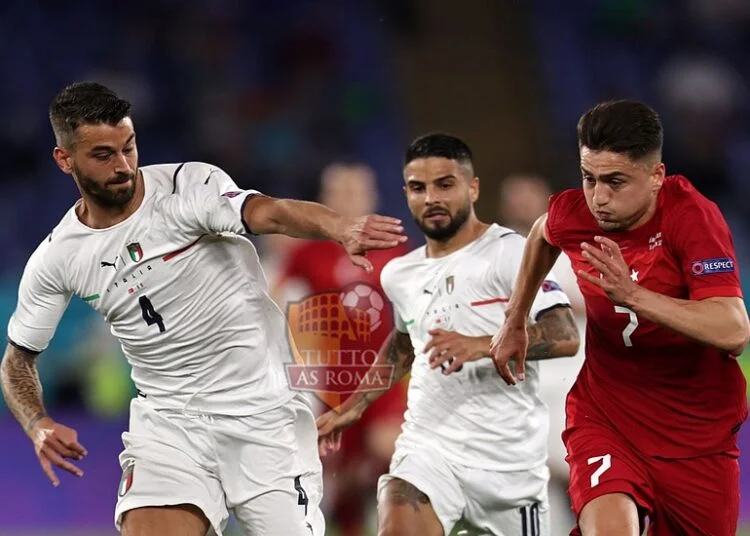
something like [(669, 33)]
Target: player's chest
[(130, 266), (447, 296)]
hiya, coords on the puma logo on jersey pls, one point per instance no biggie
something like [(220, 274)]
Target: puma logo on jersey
[(105, 264)]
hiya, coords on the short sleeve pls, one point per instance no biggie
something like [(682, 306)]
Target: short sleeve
[(553, 217), (212, 200), (703, 246), (506, 269), (387, 285), (41, 303)]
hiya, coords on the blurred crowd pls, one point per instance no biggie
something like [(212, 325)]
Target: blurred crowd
[(296, 98)]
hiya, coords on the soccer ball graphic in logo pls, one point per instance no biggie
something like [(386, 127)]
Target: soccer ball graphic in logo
[(366, 299)]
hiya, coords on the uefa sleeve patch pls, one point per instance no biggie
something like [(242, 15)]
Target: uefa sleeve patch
[(712, 266), (549, 286)]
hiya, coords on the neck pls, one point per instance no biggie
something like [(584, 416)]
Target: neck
[(647, 215), (96, 216), (470, 231)]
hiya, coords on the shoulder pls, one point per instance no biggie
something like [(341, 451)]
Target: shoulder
[(679, 198), (397, 266), (566, 202), (181, 177)]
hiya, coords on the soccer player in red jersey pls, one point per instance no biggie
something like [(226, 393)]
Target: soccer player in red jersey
[(653, 416)]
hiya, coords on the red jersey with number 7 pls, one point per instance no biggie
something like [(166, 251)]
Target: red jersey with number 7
[(667, 394)]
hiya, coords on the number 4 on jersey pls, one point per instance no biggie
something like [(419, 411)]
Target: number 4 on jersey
[(150, 315)]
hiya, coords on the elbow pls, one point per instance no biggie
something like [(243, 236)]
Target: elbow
[(736, 345), (570, 347)]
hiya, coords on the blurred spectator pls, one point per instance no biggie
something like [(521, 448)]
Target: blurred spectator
[(523, 198), (351, 474)]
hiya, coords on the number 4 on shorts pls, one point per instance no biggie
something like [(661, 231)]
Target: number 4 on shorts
[(606, 461)]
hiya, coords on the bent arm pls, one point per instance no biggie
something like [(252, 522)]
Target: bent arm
[(539, 257), (397, 352), (718, 322), (21, 387), (555, 334)]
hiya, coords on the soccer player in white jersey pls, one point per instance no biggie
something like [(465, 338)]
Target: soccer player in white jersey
[(159, 252), (471, 449)]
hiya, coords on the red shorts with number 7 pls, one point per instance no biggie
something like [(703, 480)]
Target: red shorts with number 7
[(679, 496)]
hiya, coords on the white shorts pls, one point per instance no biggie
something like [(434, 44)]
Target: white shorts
[(512, 503), (265, 468)]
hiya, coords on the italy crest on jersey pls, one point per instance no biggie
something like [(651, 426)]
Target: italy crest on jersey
[(135, 251)]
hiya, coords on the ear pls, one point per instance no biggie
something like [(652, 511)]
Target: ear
[(658, 175), (474, 189), (63, 159)]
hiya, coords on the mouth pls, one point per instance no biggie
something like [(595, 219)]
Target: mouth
[(120, 181), (603, 216), (436, 216)]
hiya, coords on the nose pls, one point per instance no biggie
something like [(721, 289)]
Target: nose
[(601, 194), (430, 197), (122, 165)]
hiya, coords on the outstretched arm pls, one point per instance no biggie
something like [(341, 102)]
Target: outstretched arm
[(304, 219), (22, 391)]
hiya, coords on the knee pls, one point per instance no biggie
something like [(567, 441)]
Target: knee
[(610, 515)]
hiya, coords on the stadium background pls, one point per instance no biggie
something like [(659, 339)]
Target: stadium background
[(274, 90)]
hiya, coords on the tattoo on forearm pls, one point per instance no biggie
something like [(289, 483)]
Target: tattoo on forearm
[(400, 353), (556, 328), (21, 387), (402, 493)]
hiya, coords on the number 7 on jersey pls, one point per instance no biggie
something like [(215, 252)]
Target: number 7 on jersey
[(632, 325)]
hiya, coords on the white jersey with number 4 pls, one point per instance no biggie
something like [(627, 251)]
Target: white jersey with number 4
[(181, 289), (471, 416)]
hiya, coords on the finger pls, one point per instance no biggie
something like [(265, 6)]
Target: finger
[(608, 243), (590, 278), (504, 371), (594, 252), (378, 218), (372, 243), (47, 468), (385, 236), (53, 442), (438, 359), (73, 444), (519, 366), (437, 331), (456, 364), (60, 462), (430, 344), (362, 262), (388, 227), (601, 266), (336, 440)]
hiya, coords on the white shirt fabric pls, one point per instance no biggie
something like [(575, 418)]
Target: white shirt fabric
[(181, 289), (471, 416)]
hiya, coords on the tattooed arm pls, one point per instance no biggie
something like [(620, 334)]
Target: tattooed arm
[(22, 391), (21, 387), (555, 334), (395, 359)]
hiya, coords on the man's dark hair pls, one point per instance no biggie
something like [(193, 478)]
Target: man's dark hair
[(622, 126), (440, 145), (84, 103)]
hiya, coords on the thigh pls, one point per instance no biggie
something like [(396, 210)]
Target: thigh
[(697, 496), (507, 503), (162, 465), (419, 496), (182, 519), (609, 483), (271, 470)]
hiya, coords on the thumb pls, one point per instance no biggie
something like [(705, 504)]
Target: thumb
[(362, 262), (520, 367)]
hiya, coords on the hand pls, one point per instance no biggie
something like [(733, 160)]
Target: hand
[(607, 259), (331, 426), (454, 348), (360, 235), (53, 443), (510, 343)]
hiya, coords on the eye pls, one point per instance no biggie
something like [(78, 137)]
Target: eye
[(102, 157), (128, 150), (416, 187), (589, 179)]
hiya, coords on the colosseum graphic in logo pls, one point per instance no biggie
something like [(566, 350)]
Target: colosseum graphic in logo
[(335, 337)]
